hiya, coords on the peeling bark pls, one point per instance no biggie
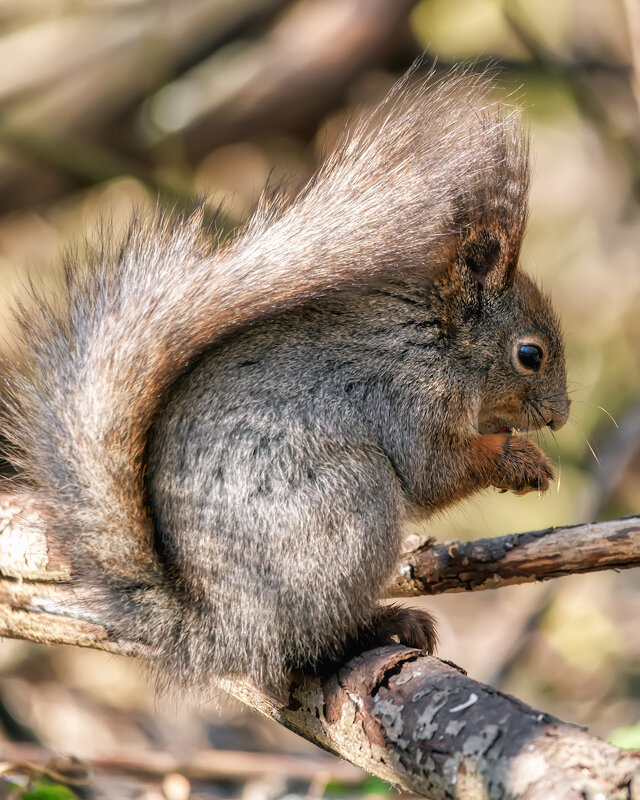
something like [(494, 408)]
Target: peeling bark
[(411, 719), (425, 726), (438, 567)]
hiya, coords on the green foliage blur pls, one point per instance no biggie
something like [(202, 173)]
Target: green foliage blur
[(38, 790)]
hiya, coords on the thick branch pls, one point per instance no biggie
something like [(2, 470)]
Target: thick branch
[(438, 567), (403, 716)]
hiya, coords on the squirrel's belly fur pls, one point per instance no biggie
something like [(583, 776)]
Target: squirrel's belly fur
[(227, 438), (296, 531)]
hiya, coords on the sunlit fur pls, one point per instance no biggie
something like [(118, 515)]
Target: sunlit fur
[(228, 439)]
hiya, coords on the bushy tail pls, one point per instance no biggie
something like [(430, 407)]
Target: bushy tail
[(134, 315)]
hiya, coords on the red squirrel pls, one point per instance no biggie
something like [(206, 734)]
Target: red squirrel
[(229, 438)]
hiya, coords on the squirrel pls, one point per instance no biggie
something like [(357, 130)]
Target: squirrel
[(229, 437)]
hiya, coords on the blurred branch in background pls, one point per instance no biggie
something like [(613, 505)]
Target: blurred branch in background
[(286, 81), (69, 74), (91, 68), (571, 72), (205, 766), (632, 8)]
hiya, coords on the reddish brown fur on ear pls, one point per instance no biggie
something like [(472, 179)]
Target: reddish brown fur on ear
[(489, 255)]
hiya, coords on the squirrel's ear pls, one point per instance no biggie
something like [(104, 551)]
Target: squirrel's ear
[(487, 258)]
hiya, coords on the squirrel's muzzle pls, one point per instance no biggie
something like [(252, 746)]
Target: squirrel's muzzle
[(560, 414)]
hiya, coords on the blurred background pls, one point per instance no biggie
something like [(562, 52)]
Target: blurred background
[(111, 105)]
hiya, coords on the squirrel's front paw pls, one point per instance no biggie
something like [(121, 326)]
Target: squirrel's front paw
[(520, 465)]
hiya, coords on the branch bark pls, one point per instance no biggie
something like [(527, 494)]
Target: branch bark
[(439, 567), (408, 718)]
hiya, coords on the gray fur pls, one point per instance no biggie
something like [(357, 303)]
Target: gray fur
[(230, 439)]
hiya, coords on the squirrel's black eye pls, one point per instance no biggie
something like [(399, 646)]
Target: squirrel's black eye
[(530, 356)]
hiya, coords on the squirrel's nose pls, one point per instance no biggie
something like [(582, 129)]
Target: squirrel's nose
[(560, 415)]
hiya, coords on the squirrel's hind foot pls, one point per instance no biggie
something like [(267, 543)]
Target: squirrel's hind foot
[(394, 624), (390, 624)]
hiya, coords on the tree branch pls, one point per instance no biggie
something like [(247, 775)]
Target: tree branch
[(439, 567), (203, 766), (408, 718)]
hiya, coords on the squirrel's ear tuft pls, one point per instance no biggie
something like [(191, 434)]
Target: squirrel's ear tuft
[(487, 258)]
